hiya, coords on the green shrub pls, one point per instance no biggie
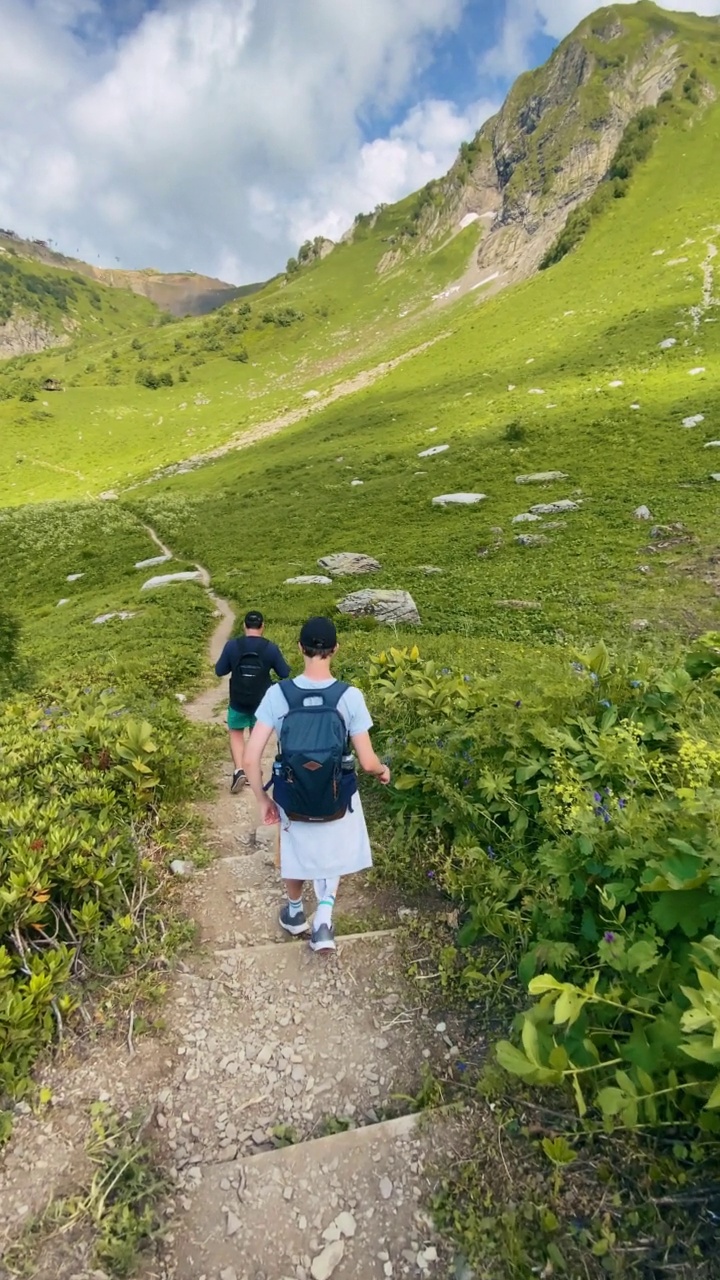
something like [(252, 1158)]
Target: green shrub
[(152, 380), (579, 825), (80, 781)]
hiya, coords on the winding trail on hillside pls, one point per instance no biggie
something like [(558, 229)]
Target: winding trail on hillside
[(262, 430)]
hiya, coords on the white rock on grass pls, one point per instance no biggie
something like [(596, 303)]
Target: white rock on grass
[(459, 499), (166, 580), (342, 563), (694, 372), (62, 602), (694, 420), (554, 508), (386, 606), (123, 614), (148, 564), (642, 513), (309, 580), (328, 1261), (526, 517), (667, 344), (715, 476), (311, 395), (74, 577), (430, 453), (536, 391), (712, 444), (354, 483), (541, 477), (634, 406)]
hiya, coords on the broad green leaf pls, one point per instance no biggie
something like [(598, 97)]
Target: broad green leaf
[(611, 1101)]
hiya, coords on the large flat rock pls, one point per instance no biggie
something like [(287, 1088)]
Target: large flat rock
[(386, 606), (459, 499), (554, 508), (166, 579), (541, 477), (342, 563)]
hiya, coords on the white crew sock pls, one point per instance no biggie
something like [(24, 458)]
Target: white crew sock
[(323, 914)]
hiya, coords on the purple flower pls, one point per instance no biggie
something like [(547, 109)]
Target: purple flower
[(431, 875), (609, 937), (597, 797), (622, 804), (461, 1066)]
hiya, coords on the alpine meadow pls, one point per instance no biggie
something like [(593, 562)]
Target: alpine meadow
[(503, 395)]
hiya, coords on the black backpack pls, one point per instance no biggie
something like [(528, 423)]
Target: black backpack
[(250, 677), (314, 776)]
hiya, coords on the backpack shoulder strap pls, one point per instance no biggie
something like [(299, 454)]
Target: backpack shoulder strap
[(333, 695), (293, 696)]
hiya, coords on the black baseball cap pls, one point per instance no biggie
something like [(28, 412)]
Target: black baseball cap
[(254, 620), (318, 633)]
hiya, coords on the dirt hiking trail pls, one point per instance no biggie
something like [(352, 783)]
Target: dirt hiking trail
[(277, 1094)]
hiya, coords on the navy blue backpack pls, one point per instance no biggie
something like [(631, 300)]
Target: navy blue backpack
[(314, 776)]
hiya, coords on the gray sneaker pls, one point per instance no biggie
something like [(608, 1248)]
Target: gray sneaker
[(293, 924), (238, 781), (323, 938)]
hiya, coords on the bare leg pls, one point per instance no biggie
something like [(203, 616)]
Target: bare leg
[(294, 889), (237, 747)]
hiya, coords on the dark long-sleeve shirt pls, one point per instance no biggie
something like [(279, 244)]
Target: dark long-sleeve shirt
[(272, 659)]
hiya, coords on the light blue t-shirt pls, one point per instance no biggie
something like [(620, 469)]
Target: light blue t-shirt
[(352, 708)]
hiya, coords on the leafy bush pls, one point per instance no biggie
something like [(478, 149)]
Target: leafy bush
[(282, 316), (579, 824), (80, 782), (152, 380)]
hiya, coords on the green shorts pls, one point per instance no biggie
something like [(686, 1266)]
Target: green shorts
[(240, 719)]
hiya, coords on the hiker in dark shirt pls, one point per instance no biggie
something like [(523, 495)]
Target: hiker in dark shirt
[(249, 660)]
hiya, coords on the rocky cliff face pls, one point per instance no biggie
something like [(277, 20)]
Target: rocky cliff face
[(553, 141), (27, 335)]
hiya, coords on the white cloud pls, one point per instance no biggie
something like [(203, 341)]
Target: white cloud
[(216, 131), (524, 20)]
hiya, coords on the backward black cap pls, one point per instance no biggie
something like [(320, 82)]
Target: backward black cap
[(318, 633), (254, 620)]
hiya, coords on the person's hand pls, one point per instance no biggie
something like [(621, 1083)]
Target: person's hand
[(384, 775), (269, 812)]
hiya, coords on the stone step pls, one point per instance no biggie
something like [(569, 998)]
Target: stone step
[(352, 1206), (276, 1036)]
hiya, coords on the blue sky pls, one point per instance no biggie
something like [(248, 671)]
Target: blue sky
[(218, 134)]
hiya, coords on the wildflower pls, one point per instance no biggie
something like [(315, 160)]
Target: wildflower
[(604, 702), (610, 937), (518, 704), (431, 875), (595, 678), (446, 671), (467, 679), (636, 684), (622, 804), (491, 852), (578, 666), (597, 797), (461, 1066)]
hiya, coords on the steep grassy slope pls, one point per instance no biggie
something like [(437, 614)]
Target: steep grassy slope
[(563, 373)]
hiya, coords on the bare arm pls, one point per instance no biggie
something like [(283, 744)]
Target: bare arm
[(369, 761), (259, 739)]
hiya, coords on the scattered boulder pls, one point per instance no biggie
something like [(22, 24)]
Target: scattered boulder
[(309, 580), (123, 614), (667, 344), (541, 477), (616, 383), (328, 1261), (148, 564), (555, 508), (642, 513), (74, 577), (437, 448), (711, 444), (694, 420), (694, 372), (343, 563), (430, 569), (311, 395), (108, 496), (531, 539), (61, 602), (165, 580), (536, 391), (640, 624), (459, 499), (635, 406), (526, 517), (354, 483), (386, 606), (180, 867), (715, 476), (518, 604)]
